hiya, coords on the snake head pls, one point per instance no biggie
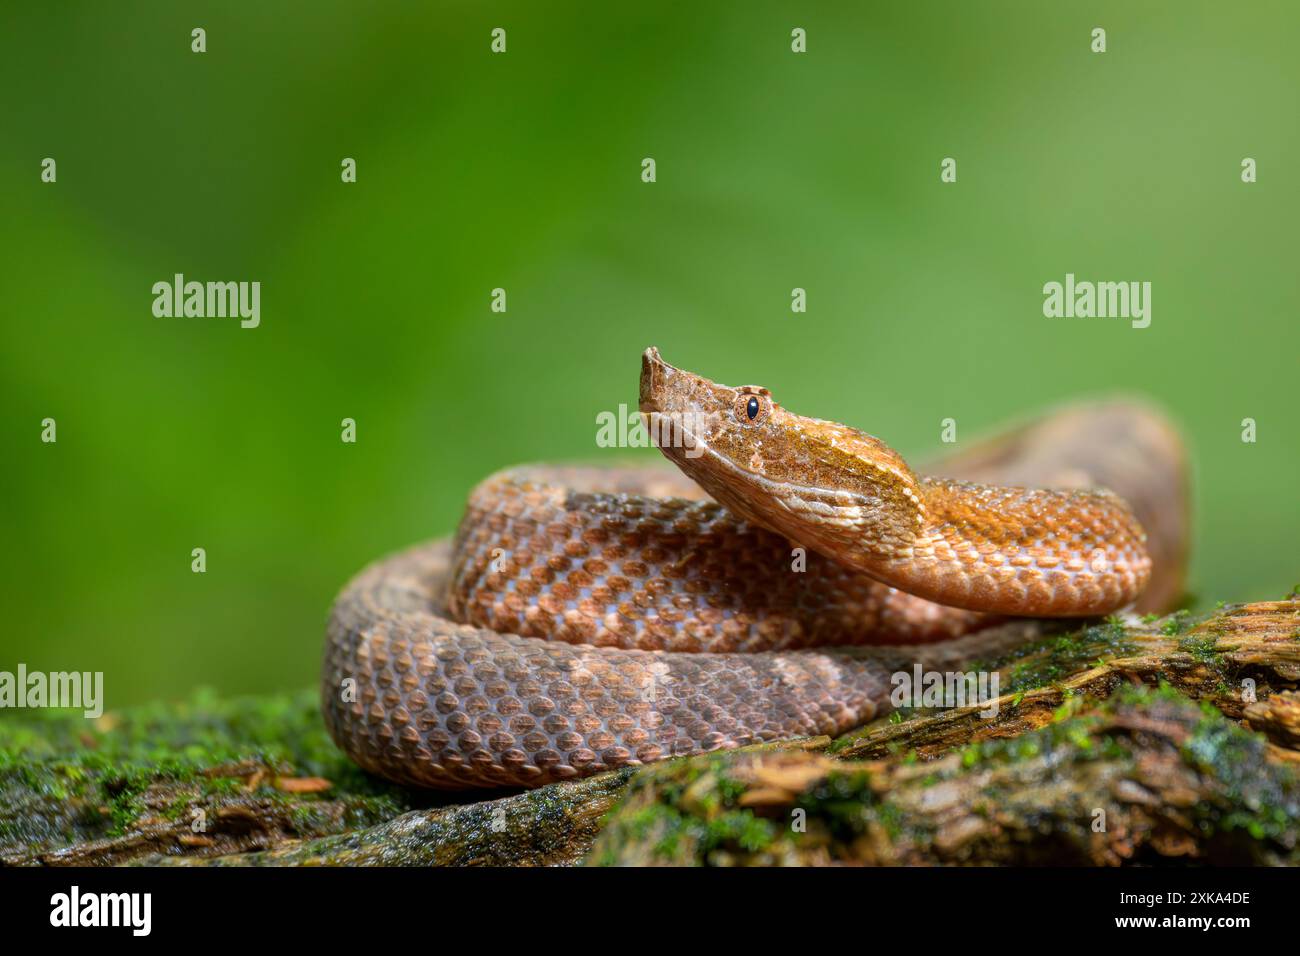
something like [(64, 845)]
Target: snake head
[(824, 485)]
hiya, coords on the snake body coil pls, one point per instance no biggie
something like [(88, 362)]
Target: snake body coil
[(586, 619)]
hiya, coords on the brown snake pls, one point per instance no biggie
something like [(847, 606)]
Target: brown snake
[(586, 619)]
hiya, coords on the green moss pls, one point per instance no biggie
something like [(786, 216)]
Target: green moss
[(65, 779), (703, 821), (729, 790), (741, 828), (671, 832), (1049, 661), (1068, 728), (1261, 804), (1202, 649), (843, 802)]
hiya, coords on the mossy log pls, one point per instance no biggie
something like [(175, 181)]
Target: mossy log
[(1235, 659), (1145, 776), (549, 826), (258, 781), (200, 778)]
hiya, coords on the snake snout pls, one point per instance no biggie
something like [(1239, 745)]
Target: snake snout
[(653, 376)]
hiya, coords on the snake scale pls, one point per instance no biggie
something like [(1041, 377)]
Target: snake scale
[(589, 618)]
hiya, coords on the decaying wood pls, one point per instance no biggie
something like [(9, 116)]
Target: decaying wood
[(549, 826), (1143, 777), (1236, 657), (545, 827)]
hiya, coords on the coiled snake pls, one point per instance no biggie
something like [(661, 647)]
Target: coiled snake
[(585, 619)]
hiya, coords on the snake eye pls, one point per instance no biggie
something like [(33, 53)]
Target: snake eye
[(751, 409)]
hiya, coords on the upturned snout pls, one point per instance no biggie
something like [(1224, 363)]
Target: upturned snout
[(655, 373)]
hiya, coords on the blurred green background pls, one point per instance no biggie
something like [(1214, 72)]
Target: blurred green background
[(522, 171)]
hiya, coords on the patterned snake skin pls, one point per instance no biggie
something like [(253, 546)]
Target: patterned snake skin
[(585, 619)]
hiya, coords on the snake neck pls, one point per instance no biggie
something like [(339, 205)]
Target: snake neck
[(988, 548), (1023, 551)]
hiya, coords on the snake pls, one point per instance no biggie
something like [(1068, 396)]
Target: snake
[(767, 587)]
